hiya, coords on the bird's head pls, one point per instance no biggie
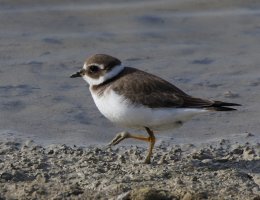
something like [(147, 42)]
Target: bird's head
[(99, 68)]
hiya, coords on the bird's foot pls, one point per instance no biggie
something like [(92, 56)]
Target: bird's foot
[(118, 138)]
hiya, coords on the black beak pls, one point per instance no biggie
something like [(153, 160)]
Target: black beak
[(76, 75)]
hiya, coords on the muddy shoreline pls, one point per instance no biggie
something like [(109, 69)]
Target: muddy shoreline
[(208, 49)]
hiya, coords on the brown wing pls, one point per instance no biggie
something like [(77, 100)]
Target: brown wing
[(143, 88), (140, 87)]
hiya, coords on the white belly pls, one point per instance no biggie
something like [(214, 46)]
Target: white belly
[(118, 110)]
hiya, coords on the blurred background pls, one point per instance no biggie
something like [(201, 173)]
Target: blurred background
[(208, 48)]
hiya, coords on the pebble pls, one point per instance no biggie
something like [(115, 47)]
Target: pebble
[(187, 196), (6, 176), (249, 135), (207, 161)]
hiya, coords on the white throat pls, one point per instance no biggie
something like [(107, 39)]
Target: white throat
[(112, 73)]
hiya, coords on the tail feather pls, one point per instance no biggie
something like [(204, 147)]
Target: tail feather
[(222, 106), (192, 102), (220, 109), (221, 103)]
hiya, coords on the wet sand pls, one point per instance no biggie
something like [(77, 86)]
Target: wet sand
[(209, 49)]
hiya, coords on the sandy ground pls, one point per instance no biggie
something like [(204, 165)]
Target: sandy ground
[(208, 48), (220, 170)]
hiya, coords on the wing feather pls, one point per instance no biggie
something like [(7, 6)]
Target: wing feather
[(140, 87)]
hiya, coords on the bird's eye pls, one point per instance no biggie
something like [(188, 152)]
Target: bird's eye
[(93, 68)]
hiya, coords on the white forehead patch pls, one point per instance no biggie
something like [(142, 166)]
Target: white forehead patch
[(91, 81)]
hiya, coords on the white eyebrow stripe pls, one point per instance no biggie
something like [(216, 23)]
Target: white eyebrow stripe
[(101, 66), (115, 70)]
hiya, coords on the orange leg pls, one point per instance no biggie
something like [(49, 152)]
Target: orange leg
[(152, 142), (151, 139)]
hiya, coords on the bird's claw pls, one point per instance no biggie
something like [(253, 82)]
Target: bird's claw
[(118, 138)]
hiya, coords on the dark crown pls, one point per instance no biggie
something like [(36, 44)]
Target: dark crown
[(103, 59)]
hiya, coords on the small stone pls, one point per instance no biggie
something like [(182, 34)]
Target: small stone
[(202, 155), (194, 179), (207, 161), (101, 170), (20, 175), (50, 152), (187, 196), (224, 142), (255, 190), (150, 193), (249, 150), (238, 151), (6, 176), (122, 158), (40, 178), (75, 190), (256, 198), (249, 135), (222, 160)]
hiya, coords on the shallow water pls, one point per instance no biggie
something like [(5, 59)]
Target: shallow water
[(206, 48)]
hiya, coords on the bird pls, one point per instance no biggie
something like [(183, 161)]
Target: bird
[(132, 98)]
